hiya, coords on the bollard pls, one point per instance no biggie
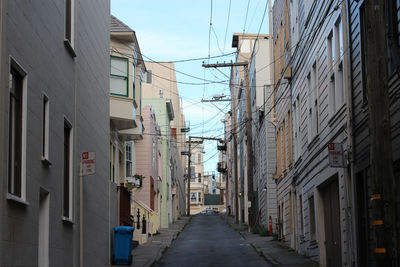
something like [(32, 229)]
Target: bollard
[(138, 219), (144, 224)]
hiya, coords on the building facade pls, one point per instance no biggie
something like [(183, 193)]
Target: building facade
[(148, 155), (164, 113), (161, 83), (54, 67), (311, 65), (364, 66)]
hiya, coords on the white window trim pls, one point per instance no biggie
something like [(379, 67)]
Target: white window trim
[(23, 73), (72, 21), (46, 121), (71, 171)]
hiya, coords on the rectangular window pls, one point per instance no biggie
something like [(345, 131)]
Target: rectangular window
[(67, 211), (119, 76), (296, 134), (332, 98), (289, 124), (310, 108), (284, 155), (149, 76), (15, 134), (315, 96), (192, 174), (199, 197), (193, 197), (199, 158), (45, 128), (199, 179), (70, 21), (128, 158), (301, 215), (331, 51), (312, 217)]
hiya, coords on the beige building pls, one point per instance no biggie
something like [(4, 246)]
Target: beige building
[(127, 70), (197, 181), (160, 82)]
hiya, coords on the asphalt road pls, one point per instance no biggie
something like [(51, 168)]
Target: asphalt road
[(208, 241)]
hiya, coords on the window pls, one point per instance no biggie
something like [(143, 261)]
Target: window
[(199, 197), (199, 158), (45, 129), (199, 179), (313, 98), (284, 155), (70, 22), (310, 108), (312, 217), (335, 67), (301, 215), (128, 159), (193, 197), (119, 76), (289, 125), (192, 174), (68, 161), (149, 76), (16, 134)]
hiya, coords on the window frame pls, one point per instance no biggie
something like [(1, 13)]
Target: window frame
[(21, 196), (128, 159), (120, 76), (46, 130), (69, 182), (69, 26)]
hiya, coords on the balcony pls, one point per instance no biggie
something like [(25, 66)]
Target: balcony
[(221, 147), (133, 133), (221, 167), (122, 113)]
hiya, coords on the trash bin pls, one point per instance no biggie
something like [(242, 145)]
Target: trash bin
[(123, 245)]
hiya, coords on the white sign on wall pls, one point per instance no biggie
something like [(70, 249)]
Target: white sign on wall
[(88, 163), (335, 153)]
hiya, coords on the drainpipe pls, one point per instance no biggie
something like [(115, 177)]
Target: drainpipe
[(350, 185), (3, 8)]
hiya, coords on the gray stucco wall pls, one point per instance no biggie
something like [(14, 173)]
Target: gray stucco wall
[(77, 89)]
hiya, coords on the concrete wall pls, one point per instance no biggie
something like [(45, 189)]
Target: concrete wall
[(77, 89)]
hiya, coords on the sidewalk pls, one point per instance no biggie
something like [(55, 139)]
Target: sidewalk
[(147, 253), (272, 251)]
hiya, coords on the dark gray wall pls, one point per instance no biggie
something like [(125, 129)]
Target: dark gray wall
[(77, 89)]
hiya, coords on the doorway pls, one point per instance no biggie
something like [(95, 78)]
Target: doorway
[(44, 224), (330, 198)]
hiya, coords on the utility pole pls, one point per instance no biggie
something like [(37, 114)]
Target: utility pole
[(189, 178), (383, 183), (249, 143)]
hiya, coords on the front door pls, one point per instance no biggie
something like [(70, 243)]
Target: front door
[(330, 195)]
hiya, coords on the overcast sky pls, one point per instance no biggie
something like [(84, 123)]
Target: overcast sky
[(180, 29)]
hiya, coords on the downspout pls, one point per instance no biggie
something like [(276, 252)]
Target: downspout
[(350, 185), (3, 8)]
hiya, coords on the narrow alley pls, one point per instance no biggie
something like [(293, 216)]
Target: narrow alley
[(209, 241)]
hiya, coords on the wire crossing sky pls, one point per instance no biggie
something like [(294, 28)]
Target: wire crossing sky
[(184, 31)]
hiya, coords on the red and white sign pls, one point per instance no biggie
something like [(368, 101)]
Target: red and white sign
[(88, 163), (335, 154)]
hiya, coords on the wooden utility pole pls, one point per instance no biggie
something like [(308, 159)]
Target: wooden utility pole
[(249, 143), (189, 178), (383, 184)]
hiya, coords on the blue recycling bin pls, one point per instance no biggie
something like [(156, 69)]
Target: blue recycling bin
[(123, 245)]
